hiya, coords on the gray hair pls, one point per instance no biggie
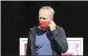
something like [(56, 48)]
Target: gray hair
[(50, 9)]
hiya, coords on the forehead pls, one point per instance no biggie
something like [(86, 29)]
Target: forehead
[(44, 12)]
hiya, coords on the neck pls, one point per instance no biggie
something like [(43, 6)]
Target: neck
[(44, 29)]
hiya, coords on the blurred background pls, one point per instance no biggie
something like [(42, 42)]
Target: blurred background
[(18, 16)]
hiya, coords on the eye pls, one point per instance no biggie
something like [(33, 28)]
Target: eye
[(42, 18)]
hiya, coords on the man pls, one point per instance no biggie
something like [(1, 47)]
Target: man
[(47, 38)]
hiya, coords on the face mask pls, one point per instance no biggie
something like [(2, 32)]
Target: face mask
[(43, 25)]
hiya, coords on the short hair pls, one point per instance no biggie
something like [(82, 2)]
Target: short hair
[(50, 9)]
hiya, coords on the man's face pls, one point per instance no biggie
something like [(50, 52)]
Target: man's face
[(44, 15)]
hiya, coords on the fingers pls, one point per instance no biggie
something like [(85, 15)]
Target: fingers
[(50, 22)]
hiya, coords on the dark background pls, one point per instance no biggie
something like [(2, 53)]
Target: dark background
[(18, 17)]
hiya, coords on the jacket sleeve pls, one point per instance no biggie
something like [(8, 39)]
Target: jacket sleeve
[(28, 50), (59, 40)]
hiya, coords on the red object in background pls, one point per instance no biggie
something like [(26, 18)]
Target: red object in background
[(67, 54), (25, 48)]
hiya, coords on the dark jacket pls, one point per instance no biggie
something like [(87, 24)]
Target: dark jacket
[(58, 41)]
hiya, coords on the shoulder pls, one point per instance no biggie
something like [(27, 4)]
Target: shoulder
[(33, 28), (59, 28)]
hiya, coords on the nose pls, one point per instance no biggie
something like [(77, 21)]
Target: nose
[(41, 19)]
